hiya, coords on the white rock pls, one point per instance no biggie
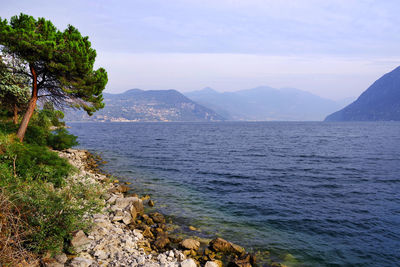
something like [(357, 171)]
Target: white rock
[(171, 254), (101, 254), (141, 260), (138, 233), (188, 263), (211, 264), (161, 257), (180, 256)]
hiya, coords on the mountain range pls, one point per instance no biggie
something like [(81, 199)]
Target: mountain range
[(380, 102), (257, 104), (152, 105), (265, 104)]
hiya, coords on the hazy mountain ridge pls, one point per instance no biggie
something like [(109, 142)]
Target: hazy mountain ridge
[(151, 105), (266, 103), (380, 102)]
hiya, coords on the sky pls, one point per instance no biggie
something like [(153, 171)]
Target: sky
[(332, 48)]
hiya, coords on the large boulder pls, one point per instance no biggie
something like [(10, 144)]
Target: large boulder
[(138, 204), (221, 245), (124, 202), (190, 244)]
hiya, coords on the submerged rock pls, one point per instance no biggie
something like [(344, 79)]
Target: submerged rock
[(221, 245), (162, 240), (157, 217), (247, 260)]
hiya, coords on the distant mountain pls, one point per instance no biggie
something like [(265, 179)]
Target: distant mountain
[(380, 102), (266, 104), (153, 105)]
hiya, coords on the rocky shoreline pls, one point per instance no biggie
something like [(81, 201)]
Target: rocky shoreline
[(123, 235)]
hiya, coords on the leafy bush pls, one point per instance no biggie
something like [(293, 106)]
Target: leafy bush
[(33, 162), (7, 128), (32, 177), (37, 135), (61, 139)]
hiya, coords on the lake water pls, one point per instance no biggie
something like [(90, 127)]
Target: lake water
[(327, 193)]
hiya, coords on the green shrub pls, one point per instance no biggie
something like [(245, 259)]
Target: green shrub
[(60, 139), (32, 177), (33, 162), (36, 135), (8, 127), (55, 213)]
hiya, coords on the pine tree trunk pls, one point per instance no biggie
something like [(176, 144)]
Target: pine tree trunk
[(15, 115), (31, 107)]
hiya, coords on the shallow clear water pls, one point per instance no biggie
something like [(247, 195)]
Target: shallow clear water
[(328, 193)]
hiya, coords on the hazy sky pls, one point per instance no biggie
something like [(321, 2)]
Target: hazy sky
[(333, 48)]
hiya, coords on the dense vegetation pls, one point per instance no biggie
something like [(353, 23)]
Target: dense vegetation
[(40, 204), (39, 209)]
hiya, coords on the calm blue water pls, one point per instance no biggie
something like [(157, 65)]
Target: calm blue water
[(328, 193)]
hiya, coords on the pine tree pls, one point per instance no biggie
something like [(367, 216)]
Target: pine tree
[(58, 63)]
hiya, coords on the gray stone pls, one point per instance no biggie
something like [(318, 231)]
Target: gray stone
[(80, 262), (141, 260), (79, 241), (52, 263), (122, 203), (61, 258)]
